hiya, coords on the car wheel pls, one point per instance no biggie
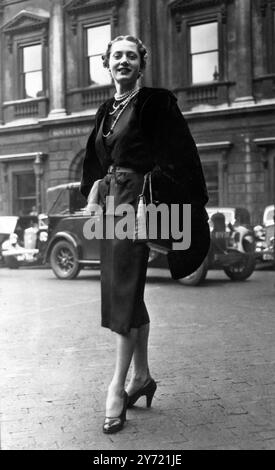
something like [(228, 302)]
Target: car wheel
[(242, 269), (11, 262), (197, 277), (64, 261)]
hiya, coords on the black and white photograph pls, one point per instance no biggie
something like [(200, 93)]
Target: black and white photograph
[(137, 227)]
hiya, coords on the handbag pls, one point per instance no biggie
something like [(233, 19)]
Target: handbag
[(93, 199), (141, 229), (181, 262), (141, 219)]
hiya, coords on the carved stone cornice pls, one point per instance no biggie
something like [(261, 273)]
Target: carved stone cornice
[(25, 21), (76, 7), (182, 6), (222, 148), (80, 6)]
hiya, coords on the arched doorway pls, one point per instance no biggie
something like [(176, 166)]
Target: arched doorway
[(75, 171)]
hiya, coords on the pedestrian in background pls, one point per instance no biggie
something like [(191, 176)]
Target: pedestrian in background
[(139, 130)]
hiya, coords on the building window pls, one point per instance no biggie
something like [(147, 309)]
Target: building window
[(31, 74), (268, 10), (97, 37), (211, 173), (24, 193), (204, 52)]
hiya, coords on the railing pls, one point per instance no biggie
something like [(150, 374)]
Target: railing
[(96, 97), (88, 98), (206, 93), (19, 109), (202, 94), (26, 109)]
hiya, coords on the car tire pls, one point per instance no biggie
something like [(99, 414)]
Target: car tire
[(64, 260), (243, 269), (197, 277), (11, 262)]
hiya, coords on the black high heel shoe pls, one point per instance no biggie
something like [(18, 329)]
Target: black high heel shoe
[(116, 424), (147, 390)]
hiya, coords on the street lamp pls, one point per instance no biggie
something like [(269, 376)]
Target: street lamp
[(38, 171)]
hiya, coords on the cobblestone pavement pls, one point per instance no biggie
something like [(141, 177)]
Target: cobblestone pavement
[(211, 352)]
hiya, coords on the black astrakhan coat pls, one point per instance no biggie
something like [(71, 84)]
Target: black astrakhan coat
[(177, 175)]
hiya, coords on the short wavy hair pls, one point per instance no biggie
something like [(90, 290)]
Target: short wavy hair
[(140, 47)]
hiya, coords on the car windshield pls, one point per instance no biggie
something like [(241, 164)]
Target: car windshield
[(64, 199), (57, 201), (269, 216), (228, 214)]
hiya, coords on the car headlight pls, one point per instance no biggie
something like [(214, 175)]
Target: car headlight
[(43, 236)]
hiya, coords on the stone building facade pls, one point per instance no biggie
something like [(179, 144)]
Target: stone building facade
[(217, 56)]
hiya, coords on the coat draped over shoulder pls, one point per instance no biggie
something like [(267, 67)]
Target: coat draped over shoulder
[(177, 175)]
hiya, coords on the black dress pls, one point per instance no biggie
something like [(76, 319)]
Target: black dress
[(123, 262), (152, 135)]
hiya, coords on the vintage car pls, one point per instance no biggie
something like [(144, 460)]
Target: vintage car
[(69, 250), (265, 238), (232, 245), (23, 240)]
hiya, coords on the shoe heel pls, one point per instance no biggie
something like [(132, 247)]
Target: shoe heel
[(150, 394), (149, 399)]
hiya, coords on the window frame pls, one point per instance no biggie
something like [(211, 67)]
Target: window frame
[(191, 55), (217, 152), (196, 20), (219, 190), (269, 33), (15, 198), (84, 23), (25, 29), (86, 57), (20, 72)]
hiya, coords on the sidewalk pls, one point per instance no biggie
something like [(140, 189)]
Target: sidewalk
[(211, 353)]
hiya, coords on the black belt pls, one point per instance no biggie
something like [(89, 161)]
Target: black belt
[(120, 169)]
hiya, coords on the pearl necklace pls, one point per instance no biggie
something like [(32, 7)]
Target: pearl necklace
[(124, 106), (122, 100), (124, 95)]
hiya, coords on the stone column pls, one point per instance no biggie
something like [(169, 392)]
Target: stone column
[(244, 52), (56, 52), (1, 68), (133, 17)]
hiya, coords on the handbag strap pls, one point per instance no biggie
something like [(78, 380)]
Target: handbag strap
[(150, 187), (148, 180)]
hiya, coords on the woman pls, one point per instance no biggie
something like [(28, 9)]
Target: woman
[(138, 131)]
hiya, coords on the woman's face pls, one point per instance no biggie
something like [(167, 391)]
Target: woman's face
[(124, 62)]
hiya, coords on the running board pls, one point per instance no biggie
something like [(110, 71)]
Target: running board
[(83, 261)]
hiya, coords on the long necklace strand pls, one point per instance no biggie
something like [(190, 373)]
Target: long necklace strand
[(122, 100), (126, 102), (125, 94)]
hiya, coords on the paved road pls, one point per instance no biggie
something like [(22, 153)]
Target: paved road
[(212, 354)]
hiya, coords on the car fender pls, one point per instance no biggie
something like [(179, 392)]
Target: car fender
[(63, 236)]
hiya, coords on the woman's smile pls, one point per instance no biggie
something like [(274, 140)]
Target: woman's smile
[(124, 63)]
